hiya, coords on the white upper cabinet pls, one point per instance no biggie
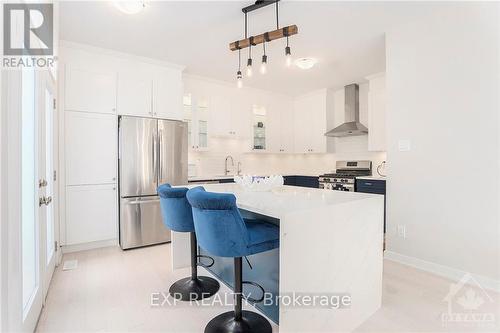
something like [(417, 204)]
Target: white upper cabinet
[(135, 94), (90, 90), (90, 148), (150, 91), (310, 122), (167, 94), (220, 117), (281, 127), (377, 113)]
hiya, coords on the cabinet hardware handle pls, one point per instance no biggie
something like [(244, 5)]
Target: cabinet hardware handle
[(368, 184), (114, 178)]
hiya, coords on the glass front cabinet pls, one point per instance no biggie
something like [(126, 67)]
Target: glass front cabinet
[(259, 124), (196, 114)]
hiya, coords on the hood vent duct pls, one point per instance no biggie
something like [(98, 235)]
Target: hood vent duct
[(351, 125)]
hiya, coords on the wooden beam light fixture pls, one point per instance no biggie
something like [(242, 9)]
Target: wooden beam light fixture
[(249, 42)]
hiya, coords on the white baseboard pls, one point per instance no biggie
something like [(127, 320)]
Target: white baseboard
[(88, 246), (441, 270)]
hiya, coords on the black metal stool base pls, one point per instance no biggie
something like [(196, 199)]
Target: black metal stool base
[(251, 322), (189, 289)]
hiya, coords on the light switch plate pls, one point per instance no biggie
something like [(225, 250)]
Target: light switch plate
[(404, 145)]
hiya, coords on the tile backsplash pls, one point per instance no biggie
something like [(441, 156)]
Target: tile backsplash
[(211, 163)]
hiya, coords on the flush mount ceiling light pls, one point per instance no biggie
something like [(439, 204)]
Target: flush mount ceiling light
[(130, 7), (264, 38), (305, 63)]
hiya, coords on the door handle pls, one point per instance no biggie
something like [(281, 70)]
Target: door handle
[(44, 201), (42, 183)]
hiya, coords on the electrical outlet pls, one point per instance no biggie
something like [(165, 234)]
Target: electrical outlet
[(402, 231)]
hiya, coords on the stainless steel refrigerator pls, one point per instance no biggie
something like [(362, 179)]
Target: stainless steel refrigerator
[(151, 152)]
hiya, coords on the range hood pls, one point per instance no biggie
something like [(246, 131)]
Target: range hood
[(351, 125)]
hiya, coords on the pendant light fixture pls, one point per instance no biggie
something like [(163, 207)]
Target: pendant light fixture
[(263, 65), (288, 54), (239, 77), (263, 38), (249, 61)]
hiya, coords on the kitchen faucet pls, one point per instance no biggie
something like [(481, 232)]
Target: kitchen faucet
[(226, 171)]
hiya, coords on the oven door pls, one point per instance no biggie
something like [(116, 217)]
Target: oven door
[(343, 187)]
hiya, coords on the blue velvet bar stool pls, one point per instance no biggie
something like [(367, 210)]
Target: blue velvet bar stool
[(223, 232), (177, 216)]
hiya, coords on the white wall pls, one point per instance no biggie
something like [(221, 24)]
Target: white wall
[(442, 78)]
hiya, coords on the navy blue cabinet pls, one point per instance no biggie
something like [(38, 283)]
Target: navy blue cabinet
[(302, 181), (374, 186)]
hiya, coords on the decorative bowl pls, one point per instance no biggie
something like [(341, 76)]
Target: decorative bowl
[(258, 183)]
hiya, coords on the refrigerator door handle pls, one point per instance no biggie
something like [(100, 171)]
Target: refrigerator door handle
[(160, 146), (155, 159), (143, 201)]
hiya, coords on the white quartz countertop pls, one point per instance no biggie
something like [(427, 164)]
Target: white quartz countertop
[(286, 199), (217, 177)]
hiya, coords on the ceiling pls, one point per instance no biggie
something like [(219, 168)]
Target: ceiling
[(347, 38)]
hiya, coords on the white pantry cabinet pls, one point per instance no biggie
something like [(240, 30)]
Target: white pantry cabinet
[(135, 94), (91, 213), (90, 148), (310, 122), (377, 113), (90, 90)]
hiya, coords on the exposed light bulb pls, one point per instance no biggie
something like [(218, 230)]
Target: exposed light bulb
[(239, 79), (249, 67), (263, 65), (288, 56)]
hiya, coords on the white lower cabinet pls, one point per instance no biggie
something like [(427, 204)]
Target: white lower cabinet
[(91, 213)]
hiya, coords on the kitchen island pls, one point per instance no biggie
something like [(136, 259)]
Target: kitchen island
[(330, 246)]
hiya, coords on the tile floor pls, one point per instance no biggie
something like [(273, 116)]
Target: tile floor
[(111, 289)]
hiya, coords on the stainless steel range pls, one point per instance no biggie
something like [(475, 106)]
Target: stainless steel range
[(344, 178)]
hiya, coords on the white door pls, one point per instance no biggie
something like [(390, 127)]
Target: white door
[(32, 290), (47, 123), (38, 230)]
